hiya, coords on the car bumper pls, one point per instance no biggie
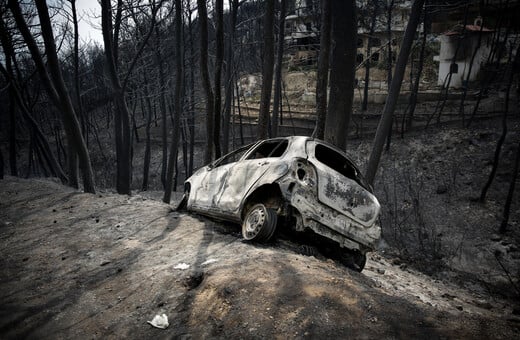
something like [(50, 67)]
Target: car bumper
[(332, 224)]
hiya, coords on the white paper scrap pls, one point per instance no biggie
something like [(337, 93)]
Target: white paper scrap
[(159, 321), (182, 266)]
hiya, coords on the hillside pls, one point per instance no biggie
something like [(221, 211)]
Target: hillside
[(77, 265)]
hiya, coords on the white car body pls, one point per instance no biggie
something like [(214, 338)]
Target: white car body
[(306, 180)]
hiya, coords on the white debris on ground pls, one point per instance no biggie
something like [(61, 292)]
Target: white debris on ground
[(182, 266), (208, 261), (159, 321)]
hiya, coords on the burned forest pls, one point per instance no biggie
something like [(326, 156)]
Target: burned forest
[(259, 169)]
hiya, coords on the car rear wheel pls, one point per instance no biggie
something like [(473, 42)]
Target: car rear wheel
[(353, 259), (259, 223)]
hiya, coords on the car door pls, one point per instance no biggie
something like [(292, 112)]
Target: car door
[(245, 174), (208, 189)]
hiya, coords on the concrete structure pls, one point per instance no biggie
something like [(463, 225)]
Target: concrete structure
[(456, 53), (301, 34)]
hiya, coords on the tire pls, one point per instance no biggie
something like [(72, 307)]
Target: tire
[(353, 259), (183, 204), (259, 223)]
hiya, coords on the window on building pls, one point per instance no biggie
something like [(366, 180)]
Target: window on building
[(375, 56), (359, 58), (376, 42), (359, 42)]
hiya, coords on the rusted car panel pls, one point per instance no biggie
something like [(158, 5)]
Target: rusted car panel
[(301, 179), (344, 194)]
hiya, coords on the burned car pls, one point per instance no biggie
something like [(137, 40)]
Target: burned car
[(305, 182)]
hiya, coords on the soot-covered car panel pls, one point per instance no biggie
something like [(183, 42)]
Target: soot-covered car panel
[(306, 182)]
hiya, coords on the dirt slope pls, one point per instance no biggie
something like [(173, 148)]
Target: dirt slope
[(75, 265)]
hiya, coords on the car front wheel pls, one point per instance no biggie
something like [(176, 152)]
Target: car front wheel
[(259, 223)]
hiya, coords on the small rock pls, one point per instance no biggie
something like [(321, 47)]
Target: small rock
[(396, 262), (448, 296), (441, 189), (380, 270), (484, 304), (459, 307), (194, 280), (53, 210), (496, 237), (473, 141), (104, 263)]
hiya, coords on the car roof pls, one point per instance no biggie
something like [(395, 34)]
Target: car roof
[(307, 138)]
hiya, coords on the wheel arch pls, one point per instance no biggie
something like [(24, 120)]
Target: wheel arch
[(268, 194)]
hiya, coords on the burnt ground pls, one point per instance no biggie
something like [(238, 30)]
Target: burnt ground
[(76, 265)]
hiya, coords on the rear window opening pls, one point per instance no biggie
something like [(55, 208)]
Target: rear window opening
[(335, 161), (275, 148)]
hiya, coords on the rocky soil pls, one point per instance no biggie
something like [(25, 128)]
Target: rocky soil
[(76, 265)]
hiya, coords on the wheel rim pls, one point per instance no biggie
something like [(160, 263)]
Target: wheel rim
[(254, 222)]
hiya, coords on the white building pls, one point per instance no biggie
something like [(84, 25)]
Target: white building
[(464, 42)]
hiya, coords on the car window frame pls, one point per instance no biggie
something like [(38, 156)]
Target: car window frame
[(218, 162), (360, 179), (254, 147)]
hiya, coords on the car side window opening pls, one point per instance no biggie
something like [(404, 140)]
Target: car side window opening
[(336, 161), (232, 157), (274, 148)]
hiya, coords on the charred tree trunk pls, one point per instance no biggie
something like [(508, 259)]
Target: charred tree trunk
[(12, 134), (364, 104), (147, 150), (267, 71), (77, 92), (278, 70), (191, 97), (415, 89), (385, 124), (509, 199), (390, 55), (172, 159), (164, 113), (56, 89), (219, 59), (229, 77), (206, 84), (466, 83), (37, 135), (342, 71), (500, 142), (1, 165), (121, 115), (323, 70), (7, 45)]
